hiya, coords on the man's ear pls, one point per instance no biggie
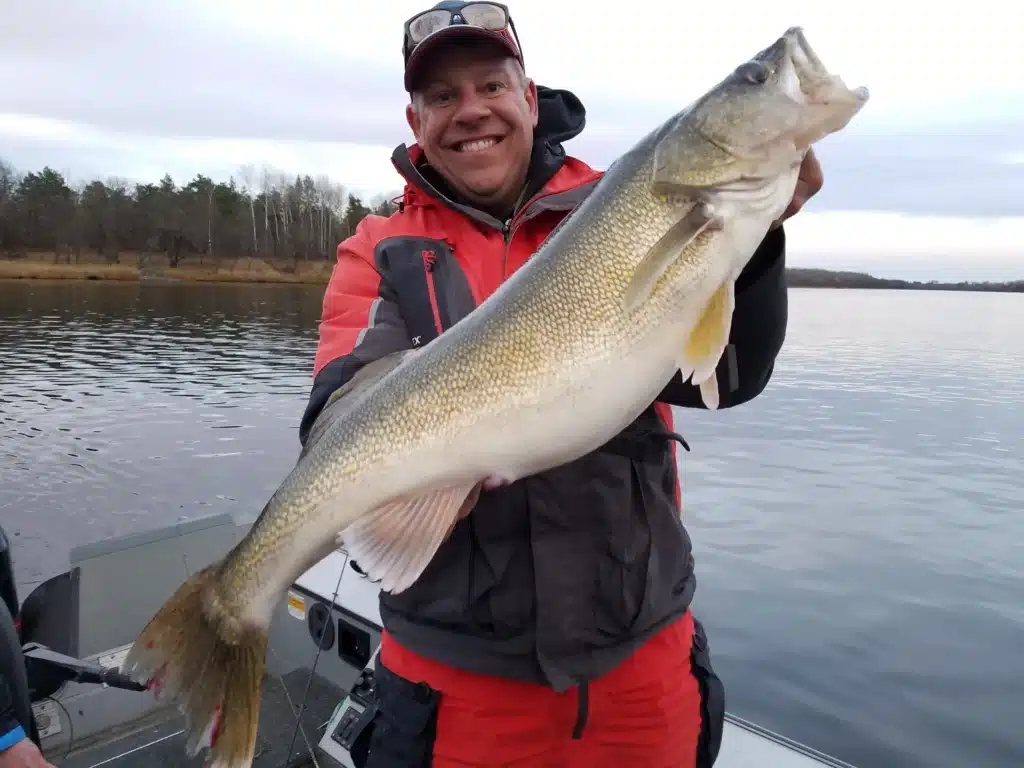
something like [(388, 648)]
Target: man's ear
[(531, 99), (413, 118)]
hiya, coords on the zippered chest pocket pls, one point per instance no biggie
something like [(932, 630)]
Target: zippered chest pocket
[(429, 285)]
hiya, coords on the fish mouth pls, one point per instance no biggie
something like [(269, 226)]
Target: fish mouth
[(800, 51), (817, 85)]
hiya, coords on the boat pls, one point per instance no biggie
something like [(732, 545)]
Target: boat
[(76, 629)]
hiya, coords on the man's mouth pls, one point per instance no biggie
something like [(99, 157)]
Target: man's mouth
[(476, 145)]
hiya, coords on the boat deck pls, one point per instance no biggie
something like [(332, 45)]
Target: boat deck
[(160, 742)]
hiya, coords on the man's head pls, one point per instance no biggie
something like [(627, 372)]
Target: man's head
[(472, 110)]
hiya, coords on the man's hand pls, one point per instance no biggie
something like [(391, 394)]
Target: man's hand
[(24, 754), (808, 183)]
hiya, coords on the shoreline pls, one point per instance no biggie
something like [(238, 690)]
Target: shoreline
[(241, 271), (317, 273)]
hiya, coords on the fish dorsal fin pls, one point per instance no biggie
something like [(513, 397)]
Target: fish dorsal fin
[(396, 542), (707, 342), (361, 381), (664, 253)]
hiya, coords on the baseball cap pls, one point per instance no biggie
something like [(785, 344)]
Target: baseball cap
[(452, 21)]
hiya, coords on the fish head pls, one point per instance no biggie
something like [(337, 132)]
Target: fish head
[(757, 123)]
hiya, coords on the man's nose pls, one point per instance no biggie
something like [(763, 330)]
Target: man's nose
[(471, 108)]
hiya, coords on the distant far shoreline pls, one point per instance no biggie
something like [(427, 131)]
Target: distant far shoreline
[(131, 267), (826, 278)]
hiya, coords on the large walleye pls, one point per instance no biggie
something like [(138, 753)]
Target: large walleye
[(637, 284)]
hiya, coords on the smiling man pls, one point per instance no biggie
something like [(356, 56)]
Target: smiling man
[(553, 627)]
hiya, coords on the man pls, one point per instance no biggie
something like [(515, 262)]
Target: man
[(552, 627)]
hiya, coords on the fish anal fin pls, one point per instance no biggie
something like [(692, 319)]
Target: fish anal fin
[(396, 542), (664, 253), (707, 342)]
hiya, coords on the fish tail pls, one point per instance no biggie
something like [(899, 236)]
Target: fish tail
[(197, 653)]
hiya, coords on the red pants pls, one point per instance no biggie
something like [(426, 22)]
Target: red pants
[(645, 712)]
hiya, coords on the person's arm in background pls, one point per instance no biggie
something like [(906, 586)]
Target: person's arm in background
[(11, 731), (16, 749), (361, 323), (758, 331)]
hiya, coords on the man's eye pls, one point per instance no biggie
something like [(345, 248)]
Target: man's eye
[(494, 87)]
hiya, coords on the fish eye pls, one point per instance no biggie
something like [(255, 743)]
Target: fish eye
[(754, 72)]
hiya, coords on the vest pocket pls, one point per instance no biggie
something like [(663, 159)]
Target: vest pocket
[(623, 568)]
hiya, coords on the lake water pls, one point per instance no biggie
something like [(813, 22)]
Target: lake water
[(858, 530)]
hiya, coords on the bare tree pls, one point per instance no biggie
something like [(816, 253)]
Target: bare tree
[(247, 174)]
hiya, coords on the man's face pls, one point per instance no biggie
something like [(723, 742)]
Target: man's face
[(473, 116)]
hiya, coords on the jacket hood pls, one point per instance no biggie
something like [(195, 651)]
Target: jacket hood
[(560, 116)]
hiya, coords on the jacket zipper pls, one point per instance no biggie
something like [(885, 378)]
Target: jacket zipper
[(429, 262), (507, 237), (509, 227)]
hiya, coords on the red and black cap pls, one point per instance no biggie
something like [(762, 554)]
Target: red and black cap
[(453, 21)]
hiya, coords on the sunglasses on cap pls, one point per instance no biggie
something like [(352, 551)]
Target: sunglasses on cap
[(492, 17)]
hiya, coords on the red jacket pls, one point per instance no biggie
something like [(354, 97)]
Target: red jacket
[(485, 255)]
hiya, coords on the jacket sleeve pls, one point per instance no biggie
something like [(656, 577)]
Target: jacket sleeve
[(11, 731), (361, 322), (758, 331)]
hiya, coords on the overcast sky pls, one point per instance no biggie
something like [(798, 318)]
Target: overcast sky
[(927, 182)]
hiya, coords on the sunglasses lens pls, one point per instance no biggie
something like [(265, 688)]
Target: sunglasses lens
[(427, 23), (484, 15)]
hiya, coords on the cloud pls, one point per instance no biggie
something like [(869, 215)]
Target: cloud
[(143, 69), (956, 169), (83, 153), (916, 247)]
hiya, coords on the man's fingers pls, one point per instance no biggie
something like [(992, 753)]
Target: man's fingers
[(24, 754), (808, 184), (811, 175)]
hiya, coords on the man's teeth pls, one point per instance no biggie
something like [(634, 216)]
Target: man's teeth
[(476, 145)]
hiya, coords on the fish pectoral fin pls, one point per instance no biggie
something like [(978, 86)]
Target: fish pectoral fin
[(707, 343), (395, 543), (666, 251)]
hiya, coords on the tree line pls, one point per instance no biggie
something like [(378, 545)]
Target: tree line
[(801, 277), (258, 214)]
